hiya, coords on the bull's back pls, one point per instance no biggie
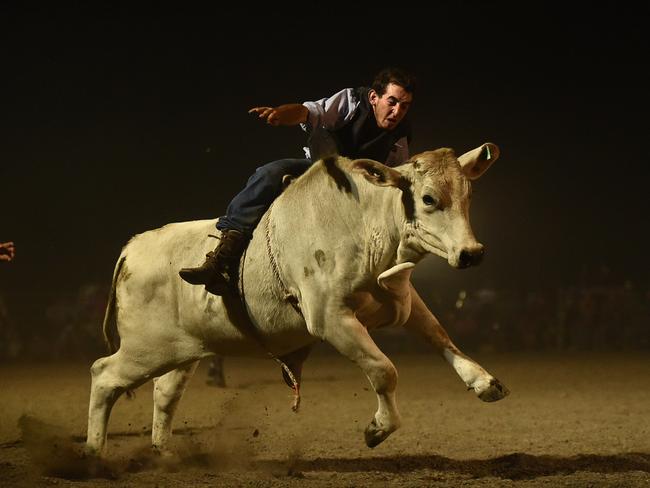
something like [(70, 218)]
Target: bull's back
[(148, 286), (179, 244)]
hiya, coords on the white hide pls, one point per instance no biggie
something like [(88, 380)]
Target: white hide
[(345, 237)]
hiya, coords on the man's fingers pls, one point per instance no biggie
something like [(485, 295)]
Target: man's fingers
[(261, 111), (268, 113)]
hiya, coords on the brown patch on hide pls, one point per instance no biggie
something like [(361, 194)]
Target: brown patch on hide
[(319, 255), (408, 201), (337, 174), (308, 271), (124, 275)]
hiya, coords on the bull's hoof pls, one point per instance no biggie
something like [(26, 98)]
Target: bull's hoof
[(217, 381), (93, 465), (91, 452), (375, 435), (494, 391), (162, 452)]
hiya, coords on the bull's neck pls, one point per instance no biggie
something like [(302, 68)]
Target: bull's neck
[(405, 221), (382, 228)]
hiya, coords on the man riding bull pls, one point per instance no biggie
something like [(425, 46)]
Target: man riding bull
[(355, 122)]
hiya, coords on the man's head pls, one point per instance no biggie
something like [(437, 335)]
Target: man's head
[(391, 95)]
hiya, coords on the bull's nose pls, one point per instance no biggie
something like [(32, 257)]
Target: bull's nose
[(469, 257)]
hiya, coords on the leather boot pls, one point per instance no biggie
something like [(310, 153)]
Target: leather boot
[(220, 265)]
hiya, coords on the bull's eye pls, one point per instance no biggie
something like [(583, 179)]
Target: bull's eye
[(429, 200)]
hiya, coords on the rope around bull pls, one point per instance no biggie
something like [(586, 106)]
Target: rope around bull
[(287, 296)]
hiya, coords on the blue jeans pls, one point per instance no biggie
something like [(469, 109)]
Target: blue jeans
[(245, 210)]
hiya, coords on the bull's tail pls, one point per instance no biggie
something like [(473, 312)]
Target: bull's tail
[(110, 323), (110, 320)]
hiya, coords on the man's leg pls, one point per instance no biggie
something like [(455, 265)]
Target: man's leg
[(242, 216), (247, 208)]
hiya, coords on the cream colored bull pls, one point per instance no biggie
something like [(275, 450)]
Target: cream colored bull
[(331, 260)]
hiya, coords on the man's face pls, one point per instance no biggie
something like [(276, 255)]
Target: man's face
[(391, 107)]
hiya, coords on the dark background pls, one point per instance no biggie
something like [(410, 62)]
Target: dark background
[(116, 121)]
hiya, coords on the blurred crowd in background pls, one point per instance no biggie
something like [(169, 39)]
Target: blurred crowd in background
[(579, 318), (599, 314)]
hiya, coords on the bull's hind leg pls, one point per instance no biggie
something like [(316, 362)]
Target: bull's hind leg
[(106, 387), (111, 377), (351, 339), (422, 321), (167, 392)]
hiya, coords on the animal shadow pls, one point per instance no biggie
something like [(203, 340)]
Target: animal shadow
[(515, 466)]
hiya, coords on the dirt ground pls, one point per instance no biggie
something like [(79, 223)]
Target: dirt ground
[(571, 420)]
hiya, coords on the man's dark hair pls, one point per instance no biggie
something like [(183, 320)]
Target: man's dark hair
[(396, 76)]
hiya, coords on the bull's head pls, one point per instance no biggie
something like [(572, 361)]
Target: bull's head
[(436, 189)]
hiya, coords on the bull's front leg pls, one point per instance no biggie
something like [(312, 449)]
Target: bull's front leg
[(423, 322), (351, 339)]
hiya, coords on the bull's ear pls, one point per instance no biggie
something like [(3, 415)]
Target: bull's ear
[(377, 173), (476, 162)]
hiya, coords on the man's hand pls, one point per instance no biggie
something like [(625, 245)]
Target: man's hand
[(7, 251), (289, 114)]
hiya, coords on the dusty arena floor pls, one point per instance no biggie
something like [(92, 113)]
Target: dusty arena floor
[(571, 420)]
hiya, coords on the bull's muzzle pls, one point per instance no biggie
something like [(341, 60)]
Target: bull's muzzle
[(470, 257)]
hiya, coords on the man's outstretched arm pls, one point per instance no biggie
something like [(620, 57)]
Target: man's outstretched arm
[(288, 114)]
